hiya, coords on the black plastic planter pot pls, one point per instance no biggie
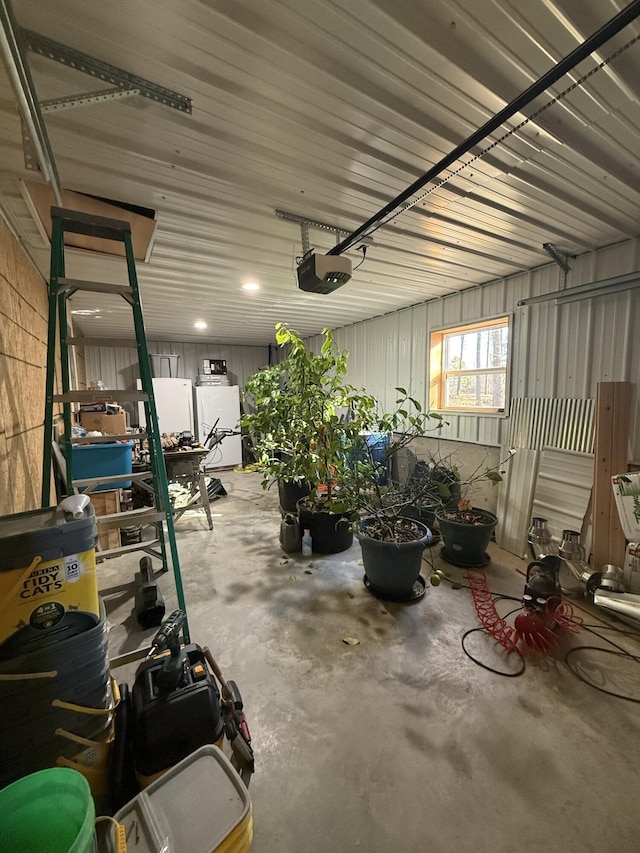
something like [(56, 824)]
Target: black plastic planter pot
[(330, 532), (466, 544), (392, 568), (424, 514), (290, 493)]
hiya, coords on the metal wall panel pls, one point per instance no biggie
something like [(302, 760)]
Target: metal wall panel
[(515, 497), (557, 350), (563, 490), (118, 367), (568, 424)]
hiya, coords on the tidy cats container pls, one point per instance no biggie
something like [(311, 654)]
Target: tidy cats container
[(47, 571)]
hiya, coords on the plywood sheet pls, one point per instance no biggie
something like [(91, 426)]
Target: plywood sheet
[(613, 415), (142, 227)]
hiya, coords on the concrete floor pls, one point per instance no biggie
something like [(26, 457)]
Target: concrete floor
[(400, 743)]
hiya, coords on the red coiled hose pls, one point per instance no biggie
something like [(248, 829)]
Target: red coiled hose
[(489, 617)]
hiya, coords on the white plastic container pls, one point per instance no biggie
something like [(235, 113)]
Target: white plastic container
[(307, 545), (199, 806)]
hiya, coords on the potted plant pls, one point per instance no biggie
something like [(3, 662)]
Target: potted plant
[(307, 426), (465, 529), (269, 421), (392, 539), (433, 484), (399, 517)]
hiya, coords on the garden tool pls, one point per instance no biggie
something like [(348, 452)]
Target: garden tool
[(178, 706), (149, 603)]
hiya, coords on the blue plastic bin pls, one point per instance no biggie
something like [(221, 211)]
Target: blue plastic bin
[(378, 444), (103, 460)]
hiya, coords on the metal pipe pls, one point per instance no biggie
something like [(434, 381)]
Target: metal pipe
[(617, 23), (623, 604), (22, 81), (585, 291)]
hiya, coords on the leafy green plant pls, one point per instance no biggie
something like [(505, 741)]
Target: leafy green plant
[(436, 486), (309, 423), (308, 419)]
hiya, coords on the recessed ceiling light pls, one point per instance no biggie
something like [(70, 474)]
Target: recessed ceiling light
[(251, 285), (200, 324)]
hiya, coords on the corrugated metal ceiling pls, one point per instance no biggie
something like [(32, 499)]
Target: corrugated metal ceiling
[(329, 109)]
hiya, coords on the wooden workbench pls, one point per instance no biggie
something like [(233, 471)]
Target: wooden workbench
[(183, 466)]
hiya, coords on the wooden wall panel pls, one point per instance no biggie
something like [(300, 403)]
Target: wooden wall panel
[(23, 350), (613, 414)]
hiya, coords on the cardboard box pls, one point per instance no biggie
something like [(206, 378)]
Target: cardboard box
[(626, 490), (632, 568), (107, 503), (106, 424)]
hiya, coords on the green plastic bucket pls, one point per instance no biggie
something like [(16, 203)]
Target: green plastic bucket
[(50, 810)]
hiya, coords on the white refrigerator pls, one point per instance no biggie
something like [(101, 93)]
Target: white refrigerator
[(174, 404), (219, 406)]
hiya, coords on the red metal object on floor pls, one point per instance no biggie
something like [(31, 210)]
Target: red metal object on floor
[(533, 630)]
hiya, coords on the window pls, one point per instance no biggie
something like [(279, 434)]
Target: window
[(469, 367)]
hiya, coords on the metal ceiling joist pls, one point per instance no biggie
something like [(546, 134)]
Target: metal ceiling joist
[(559, 257), (79, 61), (306, 223), (56, 104), (18, 68)]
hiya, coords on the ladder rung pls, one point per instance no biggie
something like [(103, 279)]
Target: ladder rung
[(106, 439), (111, 478), (123, 343), (129, 518), (114, 478), (95, 286), (93, 226), (106, 396), (127, 549)]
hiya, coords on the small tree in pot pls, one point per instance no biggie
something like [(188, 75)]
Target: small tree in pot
[(394, 531), (466, 530), (392, 542), (307, 427)]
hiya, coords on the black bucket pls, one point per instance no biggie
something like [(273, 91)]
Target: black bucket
[(289, 493), (392, 568), (131, 535), (73, 670), (330, 532)]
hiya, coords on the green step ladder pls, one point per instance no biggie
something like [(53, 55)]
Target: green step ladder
[(155, 480)]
